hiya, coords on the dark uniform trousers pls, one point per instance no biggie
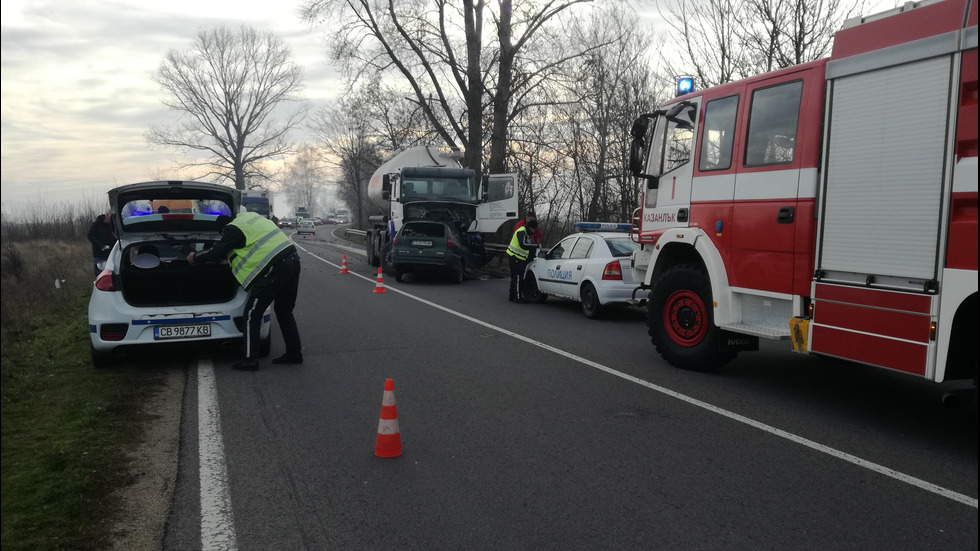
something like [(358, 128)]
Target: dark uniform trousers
[(517, 269), (278, 284)]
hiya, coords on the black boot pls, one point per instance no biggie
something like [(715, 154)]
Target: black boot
[(288, 358)]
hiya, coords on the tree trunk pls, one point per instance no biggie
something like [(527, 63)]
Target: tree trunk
[(501, 99)]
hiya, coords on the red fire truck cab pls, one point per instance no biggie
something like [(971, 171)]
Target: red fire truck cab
[(831, 204)]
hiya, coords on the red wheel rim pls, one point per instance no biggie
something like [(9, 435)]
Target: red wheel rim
[(685, 318)]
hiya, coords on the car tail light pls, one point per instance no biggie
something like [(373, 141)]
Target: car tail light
[(449, 243), (613, 271), (104, 282), (394, 241), (113, 331)]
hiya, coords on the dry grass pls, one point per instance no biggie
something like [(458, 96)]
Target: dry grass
[(38, 276), (68, 430)]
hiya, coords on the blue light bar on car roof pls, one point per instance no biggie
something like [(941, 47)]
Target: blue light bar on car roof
[(601, 226)]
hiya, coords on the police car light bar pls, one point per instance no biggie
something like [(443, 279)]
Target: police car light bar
[(602, 226), (685, 85)]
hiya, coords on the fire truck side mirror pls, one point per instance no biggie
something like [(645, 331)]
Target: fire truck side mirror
[(653, 182), (640, 127), (636, 156), (386, 187)]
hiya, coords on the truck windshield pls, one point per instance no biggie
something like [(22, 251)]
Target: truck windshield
[(439, 189), (258, 206)]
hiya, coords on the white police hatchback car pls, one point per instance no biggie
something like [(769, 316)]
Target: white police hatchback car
[(147, 295), (592, 267)]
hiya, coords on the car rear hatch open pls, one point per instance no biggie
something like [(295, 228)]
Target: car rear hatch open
[(158, 225)]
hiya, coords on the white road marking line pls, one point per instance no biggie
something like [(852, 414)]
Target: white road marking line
[(880, 469), (217, 525)]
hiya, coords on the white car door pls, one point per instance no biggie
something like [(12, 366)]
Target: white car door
[(576, 265), (555, 278)]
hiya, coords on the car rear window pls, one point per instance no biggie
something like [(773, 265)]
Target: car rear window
[(424, 229), (621, 246)]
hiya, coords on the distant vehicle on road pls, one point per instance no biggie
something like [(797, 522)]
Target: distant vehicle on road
[(306, 227)]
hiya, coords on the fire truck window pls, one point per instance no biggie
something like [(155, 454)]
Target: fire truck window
[(680, 135), (772, 124), (719, 134)]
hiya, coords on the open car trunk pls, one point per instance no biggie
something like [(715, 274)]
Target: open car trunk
[(171, 281)]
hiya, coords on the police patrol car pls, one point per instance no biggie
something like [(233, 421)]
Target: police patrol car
[(147, 294), (591, 266)]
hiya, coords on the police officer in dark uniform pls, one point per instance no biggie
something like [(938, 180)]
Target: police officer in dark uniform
[(102, 237), (264, 261)]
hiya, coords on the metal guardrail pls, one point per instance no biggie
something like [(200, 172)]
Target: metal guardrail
[(351, 231)]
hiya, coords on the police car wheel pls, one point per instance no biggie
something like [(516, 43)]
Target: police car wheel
[(101, 360), (531, 291), (590, 301)]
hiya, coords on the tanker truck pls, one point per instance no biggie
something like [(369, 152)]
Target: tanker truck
[(423, 183)]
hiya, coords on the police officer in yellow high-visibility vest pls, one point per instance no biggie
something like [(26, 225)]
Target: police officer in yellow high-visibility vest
[(264, 261), (520, 251)]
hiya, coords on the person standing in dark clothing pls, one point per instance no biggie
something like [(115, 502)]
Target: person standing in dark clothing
[(102, 237), (520, 251), (264, 261), (536, 233)]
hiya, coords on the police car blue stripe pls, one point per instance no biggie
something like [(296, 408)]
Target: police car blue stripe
[(172, 321)]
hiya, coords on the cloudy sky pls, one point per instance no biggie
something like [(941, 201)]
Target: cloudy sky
[(77, 93)]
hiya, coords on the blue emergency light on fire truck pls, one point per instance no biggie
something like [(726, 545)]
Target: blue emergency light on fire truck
[(685, 85)]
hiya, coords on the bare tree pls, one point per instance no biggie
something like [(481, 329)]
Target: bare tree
[(592, 114), (350, 145), (227, 88), (305, 180), (437, 49), (721, 41)]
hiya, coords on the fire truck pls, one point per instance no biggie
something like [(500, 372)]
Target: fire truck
[(831, 204)]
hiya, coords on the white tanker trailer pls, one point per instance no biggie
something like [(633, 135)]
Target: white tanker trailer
[(422, 183)]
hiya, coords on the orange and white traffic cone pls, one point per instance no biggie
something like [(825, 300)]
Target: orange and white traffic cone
[(380, 286), (343, 268), (389, 442)]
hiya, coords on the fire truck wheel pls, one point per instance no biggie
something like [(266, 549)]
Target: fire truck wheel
[(680, 320)]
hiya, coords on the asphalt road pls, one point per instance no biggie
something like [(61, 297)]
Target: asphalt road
[(532, 427)]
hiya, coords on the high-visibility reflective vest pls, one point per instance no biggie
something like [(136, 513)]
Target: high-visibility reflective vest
[(515, 249), (263, 241)]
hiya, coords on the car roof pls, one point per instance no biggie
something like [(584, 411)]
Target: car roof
[(603, 234)]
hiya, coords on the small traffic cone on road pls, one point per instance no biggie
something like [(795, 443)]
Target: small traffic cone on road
[(343, 268), (380, 286), (389, 442)]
